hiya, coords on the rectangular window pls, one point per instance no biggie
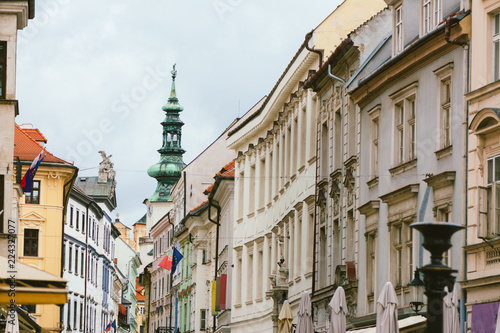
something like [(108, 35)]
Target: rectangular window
[(405, 132), (71, 216), (496, 47), (431, 15), (75, 317), (82, 262), (76, 260), (203, 320), (77, 220), (33, 197), (81, 316), (70, 258), (398, 30), (426, 16), (493, 196), (411, 125), (400, 128), (446, 112), (3, 69), (438, 13), (402, 249), (83, 222), (31, 242)]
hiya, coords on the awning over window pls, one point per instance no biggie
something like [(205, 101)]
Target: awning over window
[(32, 286)]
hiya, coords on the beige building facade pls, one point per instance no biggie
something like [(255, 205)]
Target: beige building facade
[(482, 281)]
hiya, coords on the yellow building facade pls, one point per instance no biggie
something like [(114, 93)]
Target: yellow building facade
[(41, 218)]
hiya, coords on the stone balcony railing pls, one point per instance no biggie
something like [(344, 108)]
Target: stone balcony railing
[(145, 240)]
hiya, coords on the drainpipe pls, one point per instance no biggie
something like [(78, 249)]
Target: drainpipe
[(342, 167), (308, 38), (465, 165), (217, 207)]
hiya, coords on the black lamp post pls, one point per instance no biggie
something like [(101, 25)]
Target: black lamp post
[(417, 292), (437, 240)]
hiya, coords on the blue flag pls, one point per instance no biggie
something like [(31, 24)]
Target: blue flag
[(114, 326), (27, 180), (176, 257)]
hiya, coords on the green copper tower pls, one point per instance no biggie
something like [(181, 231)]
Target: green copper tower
[(168, 170)]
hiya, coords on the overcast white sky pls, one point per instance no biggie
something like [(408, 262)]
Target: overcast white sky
[(93, 75)]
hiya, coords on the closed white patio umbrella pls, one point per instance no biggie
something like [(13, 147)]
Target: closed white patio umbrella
[(304, 321), (12, 323), (387, 310), (338, 310), (451, 322), (285, 319)]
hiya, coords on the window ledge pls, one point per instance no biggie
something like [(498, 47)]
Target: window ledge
[(237, 306), (443, 152), (239, 220), (287, 184), (259, 300), (403, 167), (248, 302), (372, 182), (260, 210), (250, 215), (312, 160), (302, 168), (276, 197), (297, 279), (294, 176)]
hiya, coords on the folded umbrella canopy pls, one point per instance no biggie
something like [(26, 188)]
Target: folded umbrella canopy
[(304, 321), (12, 323), (451, 323), (387, 310), (285, 319), (338, 310)]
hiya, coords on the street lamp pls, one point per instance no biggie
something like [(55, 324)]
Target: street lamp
[(437, 240), (417, 293)]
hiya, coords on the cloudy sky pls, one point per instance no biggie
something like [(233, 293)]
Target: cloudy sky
[(93, 75)]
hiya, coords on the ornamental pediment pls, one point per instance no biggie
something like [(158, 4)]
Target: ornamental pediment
[(33, 217)]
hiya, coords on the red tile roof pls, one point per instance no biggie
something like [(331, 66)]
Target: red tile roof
[(226, 172), (138, 291), (199, 206), (35, 134), (27, 149)]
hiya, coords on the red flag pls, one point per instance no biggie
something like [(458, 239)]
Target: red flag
[(167, 261), (223, 287)]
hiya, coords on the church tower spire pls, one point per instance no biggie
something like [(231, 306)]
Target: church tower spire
[(168, 170)]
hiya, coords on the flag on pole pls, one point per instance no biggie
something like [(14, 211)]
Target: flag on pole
[(176, 257), (167, 261), (114, 326), (214, 298), (108, 328), (27, 180)]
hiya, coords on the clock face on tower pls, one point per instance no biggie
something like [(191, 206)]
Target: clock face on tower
[(150, 210)]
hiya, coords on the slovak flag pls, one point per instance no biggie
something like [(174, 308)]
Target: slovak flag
[(108, 328), (111, 325), (27, 180), (167, 261)]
